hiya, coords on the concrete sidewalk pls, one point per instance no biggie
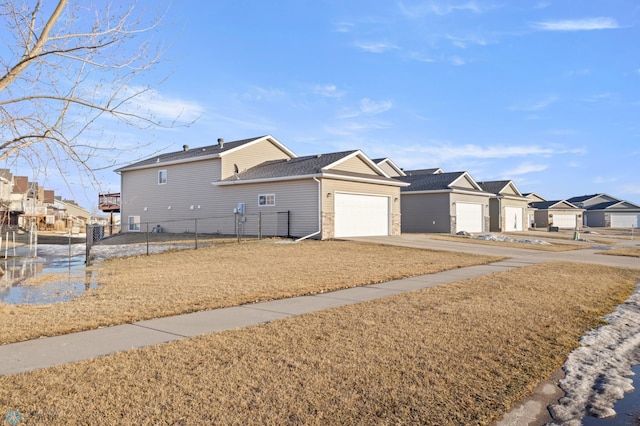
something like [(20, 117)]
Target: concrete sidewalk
[(58, 350)]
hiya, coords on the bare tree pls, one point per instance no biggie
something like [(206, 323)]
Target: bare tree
[(66, 69)]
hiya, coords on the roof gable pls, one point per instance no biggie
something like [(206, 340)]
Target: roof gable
[(389, 167), (589, 200), (356, 162), (553, 205), (440, 182), (205, 152), (613, 205), (533, 197), (500, 187)]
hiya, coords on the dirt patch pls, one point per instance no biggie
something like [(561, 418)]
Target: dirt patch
[(171, 283), (461, 353)]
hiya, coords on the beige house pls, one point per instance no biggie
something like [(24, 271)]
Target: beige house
[(557, 213), (507, 206), (437, 202), (258, 186)]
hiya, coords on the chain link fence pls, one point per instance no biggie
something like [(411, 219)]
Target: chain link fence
[(194, 232)]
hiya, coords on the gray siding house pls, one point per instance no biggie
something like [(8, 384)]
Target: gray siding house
[(602, 210), (437, 202), (321, 196)]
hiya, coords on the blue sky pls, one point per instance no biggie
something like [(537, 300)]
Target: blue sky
[(545, 93)]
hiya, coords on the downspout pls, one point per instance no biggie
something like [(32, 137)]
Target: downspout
[(319, 214)]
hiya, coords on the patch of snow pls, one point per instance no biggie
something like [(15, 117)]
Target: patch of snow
[(504, 238), (597, 373)]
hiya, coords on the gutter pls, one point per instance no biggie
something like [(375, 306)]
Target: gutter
[(319, 214)]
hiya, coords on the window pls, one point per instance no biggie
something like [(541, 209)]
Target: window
[(267, 200), (134, 223), (162, 177)]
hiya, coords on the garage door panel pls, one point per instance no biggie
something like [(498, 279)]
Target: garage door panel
[(564, 220), (513, 218), (358, 215), (625, 220), (469, 217)]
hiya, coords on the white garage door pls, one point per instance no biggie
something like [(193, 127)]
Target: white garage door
[(361, 215), (564, 220), (625, 220), (513, 218), (469, 217)]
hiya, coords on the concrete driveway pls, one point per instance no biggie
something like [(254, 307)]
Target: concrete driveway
[(587, 254)]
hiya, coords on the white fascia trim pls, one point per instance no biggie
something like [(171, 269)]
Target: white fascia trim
[(469, 179), (300, 177), (266, 137), (453, 191), (363, 179)]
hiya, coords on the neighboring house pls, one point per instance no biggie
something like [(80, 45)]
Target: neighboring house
[(602, 210), (507, 207), (389, 167), (557, 213), (322, 196), (532, 197), (443, 203)]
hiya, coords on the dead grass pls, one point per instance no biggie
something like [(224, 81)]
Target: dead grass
[(456, 354), (177, 282), (553, 247), (623, 251)]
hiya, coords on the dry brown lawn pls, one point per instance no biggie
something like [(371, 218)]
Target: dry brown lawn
[(623, 251), (177, 282), (553, 247), (457, 354)]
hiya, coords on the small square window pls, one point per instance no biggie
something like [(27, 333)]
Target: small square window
[(267, 200), (162, 177)]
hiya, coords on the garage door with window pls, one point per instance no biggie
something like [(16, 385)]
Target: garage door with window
[(564, 220), (359, 215), (469, 217), (513, 218)]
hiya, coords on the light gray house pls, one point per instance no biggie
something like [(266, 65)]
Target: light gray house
[(602, 210), (260, 186), (557, 213), (438, 202), (507, 206)]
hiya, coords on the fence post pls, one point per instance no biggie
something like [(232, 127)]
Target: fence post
[(288, 223), (147, 238), (259, 225), (88, 242), (196, 221)]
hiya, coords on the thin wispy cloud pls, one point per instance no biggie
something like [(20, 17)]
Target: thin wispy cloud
[(542, 5), (374, 47), (598, 98), (416, 11), (464, 42), (328, 91), (343, 27), (166, 107), (368, 107), (536, 105), (602, 179), (442, 152), (457, 61), (587, 24), (526, 168), (258, 93)]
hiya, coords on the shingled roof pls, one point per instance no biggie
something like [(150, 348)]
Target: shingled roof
[(544, 205), (494, 186), (432, 182), (301, 166), (190, 153)]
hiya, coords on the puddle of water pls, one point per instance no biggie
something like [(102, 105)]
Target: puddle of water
[(627, 409), (74, 280)]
